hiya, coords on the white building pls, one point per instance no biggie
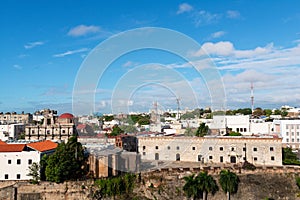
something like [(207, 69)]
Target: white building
[(15, 159), (289, 130), (11, 131), (237, 123)]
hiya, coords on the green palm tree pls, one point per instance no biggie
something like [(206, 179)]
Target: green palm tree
[(229, 182), (190, 187), (207, 184)]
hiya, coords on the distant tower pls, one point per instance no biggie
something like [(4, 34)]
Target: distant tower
[(155, 125), (252, 98)]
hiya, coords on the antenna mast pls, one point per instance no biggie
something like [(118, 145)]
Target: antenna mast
[(252, 97)]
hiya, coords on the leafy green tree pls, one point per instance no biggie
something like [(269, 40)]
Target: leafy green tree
[(202, 130), (207, 184), (229, 182), (34, 172), (116, 131), (128, 128), (188, 115), (298, 181), (289, 157), (268, 112), (144, 121), (190, 187), (66, 163), (189, 132), (108, 118), (232, 133)]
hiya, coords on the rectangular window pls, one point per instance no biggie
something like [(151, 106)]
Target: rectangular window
[(287, 126), (144, 153), (194, 148), (156, 147), (297, 139), (9, 162), (272, 158), (29, 161), (244, 148), (169, 147), (293, 140), (254, 149), (245, 129), (144, 147), (18, 176), (18, 161), (177, 148), (287, 133), (210, 148), (210, 157), (287, 140), (271, 148), (221, 148), (221, 159), (297, 133), (255, 158), (6, 176)]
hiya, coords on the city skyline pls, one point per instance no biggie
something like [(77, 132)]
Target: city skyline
[(45, 43)]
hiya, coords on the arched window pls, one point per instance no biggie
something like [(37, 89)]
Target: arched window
[(177, 157)]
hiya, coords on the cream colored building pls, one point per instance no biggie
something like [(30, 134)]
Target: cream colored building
[(9, 118), (222, 149)]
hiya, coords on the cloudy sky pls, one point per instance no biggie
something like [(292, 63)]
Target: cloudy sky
[(44, 44)]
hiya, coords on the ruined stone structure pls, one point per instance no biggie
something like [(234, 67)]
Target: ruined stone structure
[(223, 149)]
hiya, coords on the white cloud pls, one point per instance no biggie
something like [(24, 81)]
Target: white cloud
[(130, 64), (226, 48), (203, 17), (184, 7), (67, 53), (31, 45), (233, 14), (82, 30), (17, 67), (217, 34)]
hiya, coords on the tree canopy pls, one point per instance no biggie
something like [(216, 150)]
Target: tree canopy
[(229, 182), (66, 163), (202, 130)]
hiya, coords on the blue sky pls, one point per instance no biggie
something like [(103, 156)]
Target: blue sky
[(43, 45)]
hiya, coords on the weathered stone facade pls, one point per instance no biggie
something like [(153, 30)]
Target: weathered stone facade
[(257, 150), (53, 128)]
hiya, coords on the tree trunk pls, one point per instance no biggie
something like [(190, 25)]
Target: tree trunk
[(228, 195), (204, 195)]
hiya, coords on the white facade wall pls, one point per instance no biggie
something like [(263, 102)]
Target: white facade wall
[(11, 131), (289, 130), (15, 171), (261, 127), (259, 151), (237, 123)]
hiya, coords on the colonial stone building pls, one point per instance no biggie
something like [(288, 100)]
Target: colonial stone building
[(222, 149), (52, 128)]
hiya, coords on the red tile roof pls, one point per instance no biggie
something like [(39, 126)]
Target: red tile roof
[(1, 142), (43, 146), (12, 147), (66, 116), (81, 126)]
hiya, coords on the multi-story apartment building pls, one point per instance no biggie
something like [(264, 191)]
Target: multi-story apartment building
[(289, 130), (222, 149)]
